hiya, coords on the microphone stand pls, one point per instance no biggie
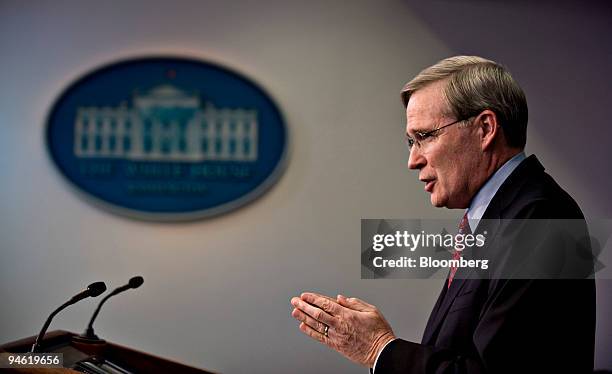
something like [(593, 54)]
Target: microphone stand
[(89, 336), (92, 290), (37, 344)]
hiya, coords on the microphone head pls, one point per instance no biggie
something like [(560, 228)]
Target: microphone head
[(136, 282), (96, 288)]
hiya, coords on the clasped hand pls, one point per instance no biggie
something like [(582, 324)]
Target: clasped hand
[(350, 326)]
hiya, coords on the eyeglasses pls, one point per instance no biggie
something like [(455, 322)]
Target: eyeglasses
[(422, 137)]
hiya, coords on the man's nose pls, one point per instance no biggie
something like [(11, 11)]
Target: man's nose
[(416, 159)]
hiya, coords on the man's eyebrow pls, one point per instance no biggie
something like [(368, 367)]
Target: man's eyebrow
[(415, 131), (418, 128)]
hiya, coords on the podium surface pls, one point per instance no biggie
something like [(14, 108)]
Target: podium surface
[(109, 357)]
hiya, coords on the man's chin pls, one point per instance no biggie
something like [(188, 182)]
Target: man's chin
[(437, 201)]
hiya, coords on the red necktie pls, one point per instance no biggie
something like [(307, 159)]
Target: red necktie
[(464, 228)]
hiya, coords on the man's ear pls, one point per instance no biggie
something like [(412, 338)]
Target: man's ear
[(490, 131)]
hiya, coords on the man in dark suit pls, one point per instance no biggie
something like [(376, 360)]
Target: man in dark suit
[(466, 129)]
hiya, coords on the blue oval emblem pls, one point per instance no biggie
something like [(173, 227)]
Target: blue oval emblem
[(167, 138)]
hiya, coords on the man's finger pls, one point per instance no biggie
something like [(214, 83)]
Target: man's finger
[(314, 312), (326, 303), (319, 295), (355, 304), (314, 324), (313, 333)]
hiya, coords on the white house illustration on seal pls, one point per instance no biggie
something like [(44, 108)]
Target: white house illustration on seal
[(166, 125)]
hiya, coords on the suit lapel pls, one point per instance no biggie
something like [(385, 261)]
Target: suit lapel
[(445, 300), (430, 328)]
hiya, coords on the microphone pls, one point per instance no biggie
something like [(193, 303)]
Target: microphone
[(89, 334), (92, 290)]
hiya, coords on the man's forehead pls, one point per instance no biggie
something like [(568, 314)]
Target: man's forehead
[(425, 107)]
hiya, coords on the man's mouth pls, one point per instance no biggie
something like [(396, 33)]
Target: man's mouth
[(429, 184)]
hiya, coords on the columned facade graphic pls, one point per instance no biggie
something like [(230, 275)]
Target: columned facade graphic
[(166, 125)]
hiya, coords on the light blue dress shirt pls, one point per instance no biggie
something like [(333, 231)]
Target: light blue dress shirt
[(481, 201)]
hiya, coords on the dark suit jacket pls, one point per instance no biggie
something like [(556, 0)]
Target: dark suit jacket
[(508, 325)]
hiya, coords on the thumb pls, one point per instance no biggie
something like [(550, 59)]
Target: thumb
[(354, 303)]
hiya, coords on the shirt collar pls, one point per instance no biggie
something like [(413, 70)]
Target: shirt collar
[(481, 201)]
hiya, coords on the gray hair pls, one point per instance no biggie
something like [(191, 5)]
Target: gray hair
[(473, 85)]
